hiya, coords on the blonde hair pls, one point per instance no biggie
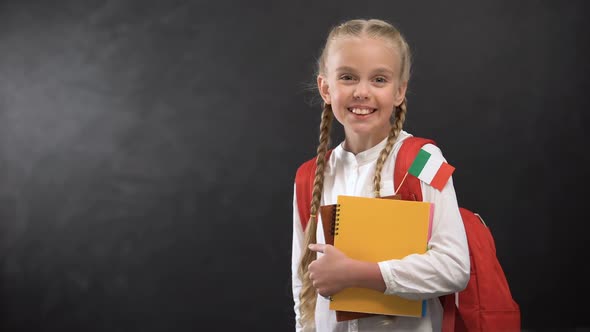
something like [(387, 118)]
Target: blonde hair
[(354, 28)]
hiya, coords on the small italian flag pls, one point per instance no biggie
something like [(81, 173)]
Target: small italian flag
[(430, 169)]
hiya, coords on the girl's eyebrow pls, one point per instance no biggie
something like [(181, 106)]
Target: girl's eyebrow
[(383, 70), (380, 70), (345, 68)]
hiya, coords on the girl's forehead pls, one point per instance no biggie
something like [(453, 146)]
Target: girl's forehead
[(362, 51)]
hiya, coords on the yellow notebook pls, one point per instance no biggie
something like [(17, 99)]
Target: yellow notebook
[(375, 230)]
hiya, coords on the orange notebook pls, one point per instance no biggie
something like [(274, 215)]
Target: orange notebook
[(374, 229), (328, 213)]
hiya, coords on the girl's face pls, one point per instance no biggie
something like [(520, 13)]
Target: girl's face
[(362, 83)]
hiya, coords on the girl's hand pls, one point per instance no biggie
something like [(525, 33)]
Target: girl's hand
[(330, 273)]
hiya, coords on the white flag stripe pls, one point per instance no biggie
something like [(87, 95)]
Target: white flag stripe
[(430, 169)]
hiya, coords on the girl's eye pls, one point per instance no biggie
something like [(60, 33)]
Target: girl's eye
[(380, 80), (346, 77)]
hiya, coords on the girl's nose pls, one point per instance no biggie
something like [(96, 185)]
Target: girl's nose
[(361, 91)]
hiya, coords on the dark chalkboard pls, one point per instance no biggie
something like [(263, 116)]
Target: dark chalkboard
[(148, 150)]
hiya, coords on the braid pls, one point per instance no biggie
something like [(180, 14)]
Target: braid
[(396, 128), (318, 182), (307, 295)]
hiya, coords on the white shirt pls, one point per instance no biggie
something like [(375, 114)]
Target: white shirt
[(443, 269)]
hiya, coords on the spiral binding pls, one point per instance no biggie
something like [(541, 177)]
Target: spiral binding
[(336, 223)]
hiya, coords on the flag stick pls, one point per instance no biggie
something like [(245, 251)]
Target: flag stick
[(400, 185)]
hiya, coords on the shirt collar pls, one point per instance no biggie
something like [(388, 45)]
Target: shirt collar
[(360, 158)]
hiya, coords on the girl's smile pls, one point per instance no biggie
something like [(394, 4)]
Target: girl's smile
[(362, 111)]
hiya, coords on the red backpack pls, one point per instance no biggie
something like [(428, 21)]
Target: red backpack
[(486, 304)]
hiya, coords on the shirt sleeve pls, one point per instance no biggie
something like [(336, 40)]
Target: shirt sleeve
[(444, 268), (298, 238)]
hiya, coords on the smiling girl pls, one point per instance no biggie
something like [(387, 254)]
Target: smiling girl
[(363, 74)]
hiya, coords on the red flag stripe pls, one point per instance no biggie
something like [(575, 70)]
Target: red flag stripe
[(442, 176)]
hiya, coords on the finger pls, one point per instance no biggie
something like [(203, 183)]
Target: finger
[(328, 248), (311, 267), (317, 247)]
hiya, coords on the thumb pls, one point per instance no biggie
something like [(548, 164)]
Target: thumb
[(317, 247)]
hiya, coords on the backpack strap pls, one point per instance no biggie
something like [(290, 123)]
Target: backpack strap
[(304, 187), (410, 190)]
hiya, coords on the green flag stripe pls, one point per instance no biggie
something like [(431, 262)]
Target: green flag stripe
[(419, 163)]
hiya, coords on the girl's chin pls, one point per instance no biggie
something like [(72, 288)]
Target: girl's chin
[(366, 129), (362, 130)]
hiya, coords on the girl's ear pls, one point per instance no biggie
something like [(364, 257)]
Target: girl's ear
[(400, 94), (324, 90)]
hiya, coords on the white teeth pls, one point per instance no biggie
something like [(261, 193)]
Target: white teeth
[(361, 111)]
